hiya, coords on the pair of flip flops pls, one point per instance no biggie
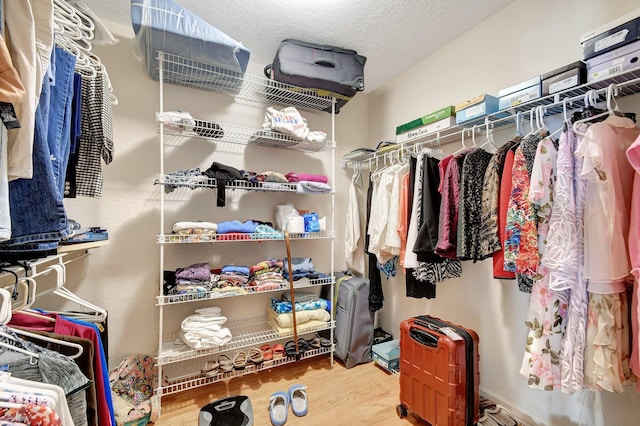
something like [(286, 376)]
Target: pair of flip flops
[(290, 347), (319, 342), (295, 397)]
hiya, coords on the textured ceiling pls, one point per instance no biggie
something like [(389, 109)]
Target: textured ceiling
[(393, 35)]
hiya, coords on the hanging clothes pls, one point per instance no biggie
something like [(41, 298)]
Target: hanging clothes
[(376, 296), (488, 238), (499, 270), (633, 155), (546, 316), (470, 211), (353, 247), (608, 191), (448, 220)]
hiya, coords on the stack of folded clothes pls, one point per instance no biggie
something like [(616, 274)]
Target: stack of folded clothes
[(197, 231), (302, 267), (233, 276), (204, 330), (195, 278), (266, 275), (312, 313), (308, 183)]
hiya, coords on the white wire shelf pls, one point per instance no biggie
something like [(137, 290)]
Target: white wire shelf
[(254, 89), (628, 83), (246, 332), (217, 294), (180, 384), (202, 181), (238, 135), (238, 237)]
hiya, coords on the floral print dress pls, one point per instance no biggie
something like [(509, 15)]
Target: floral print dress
[(547, 308)]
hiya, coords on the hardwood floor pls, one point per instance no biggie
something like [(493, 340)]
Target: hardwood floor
[(363, 395)]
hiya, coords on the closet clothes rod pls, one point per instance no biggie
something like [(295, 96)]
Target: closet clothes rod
[(36, 268)]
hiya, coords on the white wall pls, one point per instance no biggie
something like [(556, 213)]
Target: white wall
[(524, 39)]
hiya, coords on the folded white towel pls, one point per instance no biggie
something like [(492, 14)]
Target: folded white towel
[(210, 311), (199, 322), (202, 339)]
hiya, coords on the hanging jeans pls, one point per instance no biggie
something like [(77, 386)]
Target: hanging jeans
[(38, 217)]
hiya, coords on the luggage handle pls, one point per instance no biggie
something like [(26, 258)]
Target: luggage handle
[(267, 70), (423, 337), (325, 62), (225, 405)]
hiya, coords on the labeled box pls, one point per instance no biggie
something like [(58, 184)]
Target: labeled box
[(612, 36), (564, 78), (520, 93), (615, 62), (434, 127), (438, 115), (475, 108), (387, 355)]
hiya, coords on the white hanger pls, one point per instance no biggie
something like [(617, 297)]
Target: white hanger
[(489, 134), (463, 147), (22, 332), (610, 89)]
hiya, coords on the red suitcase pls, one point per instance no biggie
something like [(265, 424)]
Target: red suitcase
[(439, 372)]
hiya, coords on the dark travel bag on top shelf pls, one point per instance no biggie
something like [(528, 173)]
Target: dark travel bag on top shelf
[(328, 70)]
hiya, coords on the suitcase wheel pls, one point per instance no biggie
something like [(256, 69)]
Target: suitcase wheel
[(401, 411)]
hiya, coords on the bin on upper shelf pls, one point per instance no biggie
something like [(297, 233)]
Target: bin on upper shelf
[(430, 123), (162, 25), (612, 35), (622, 59), (475, 108), (563, 78), (520, 93)]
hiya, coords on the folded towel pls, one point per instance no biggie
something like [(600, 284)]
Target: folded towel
[(282, 307), (202, 322), (203, 339), (297, 177), (179, 227), (309, 187), (286, 319), (301, 328)]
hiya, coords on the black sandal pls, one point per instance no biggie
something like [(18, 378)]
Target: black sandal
[(290, 348), (303, 345)]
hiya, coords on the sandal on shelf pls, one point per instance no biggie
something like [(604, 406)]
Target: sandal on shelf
[(240, 360), (325, 343), (255, 356), (226, 365), (303, 345), (315, 343), (290, 348), (267, 352), (210, 369), (278, 351)]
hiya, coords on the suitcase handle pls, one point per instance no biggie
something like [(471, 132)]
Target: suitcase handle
[(423, 337), (267, 70), (325, 62)]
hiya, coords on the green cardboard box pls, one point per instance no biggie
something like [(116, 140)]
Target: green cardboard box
[(440, 114)]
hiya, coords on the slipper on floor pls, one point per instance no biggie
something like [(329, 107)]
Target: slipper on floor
[(240, 360), (278, 408), (298, 400), (210, 369), (226, 365), (255, 356), (267, 352), (278, 351)]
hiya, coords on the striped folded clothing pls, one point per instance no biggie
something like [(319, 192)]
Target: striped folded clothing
[(186, 228)]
